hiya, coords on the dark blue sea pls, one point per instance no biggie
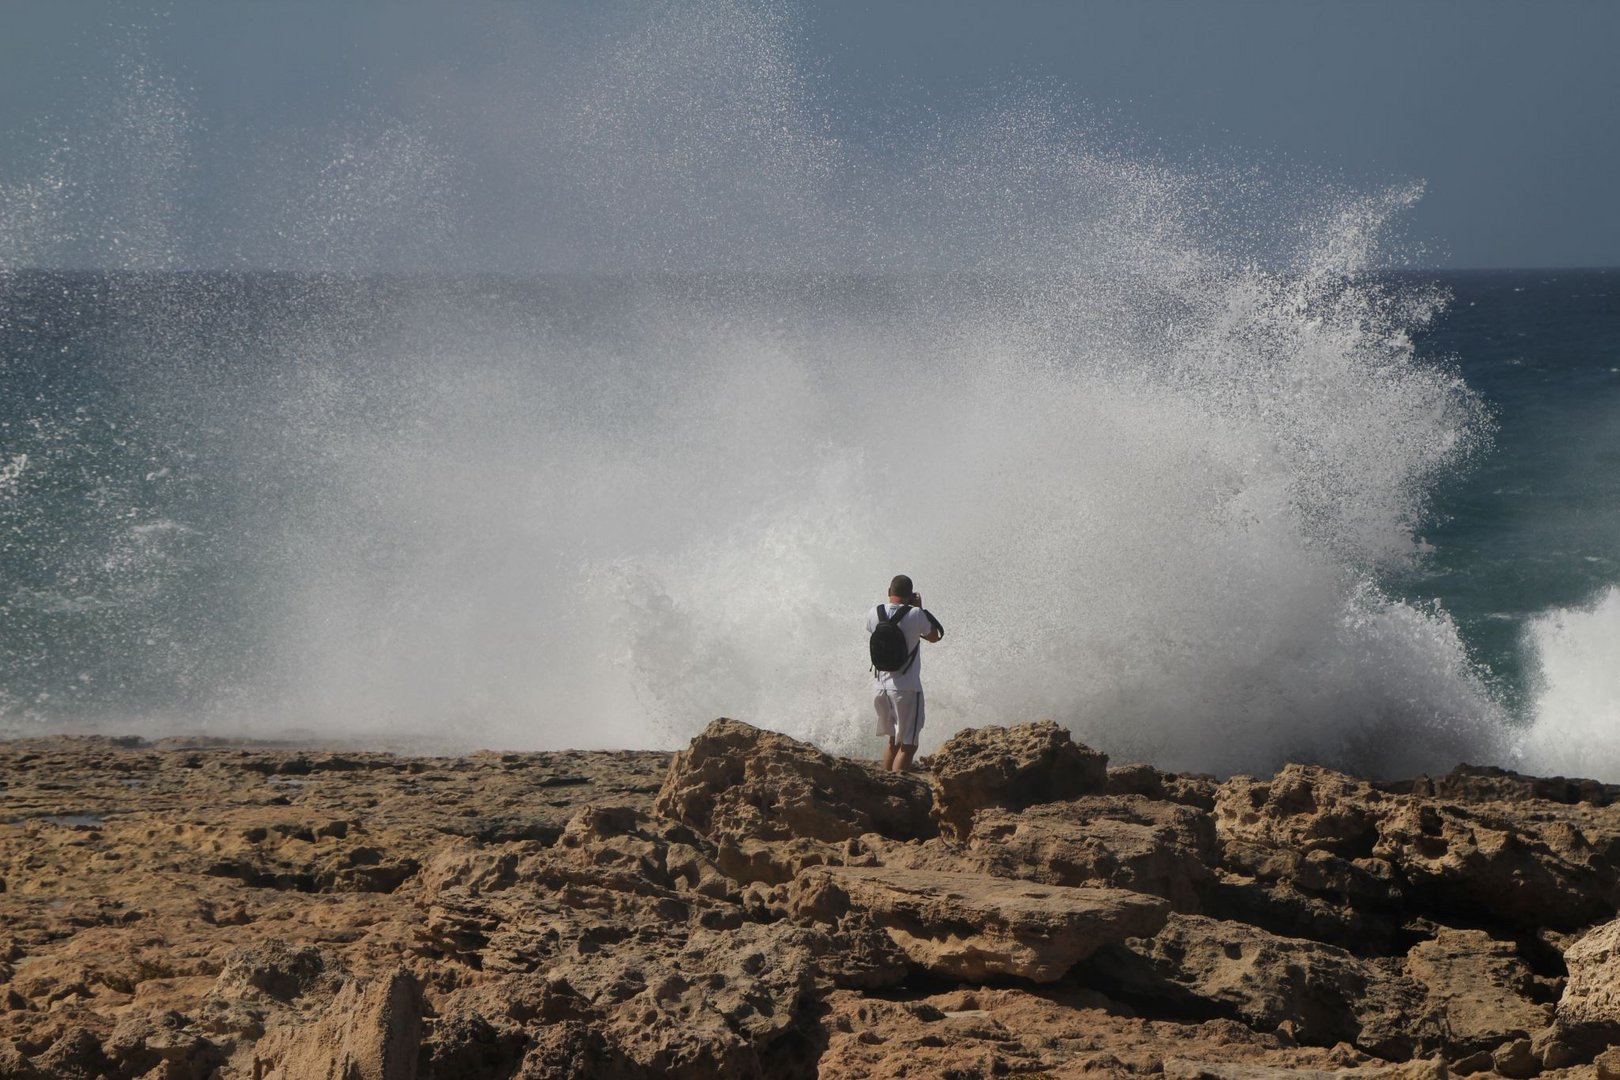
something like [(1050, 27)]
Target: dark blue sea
[(1533, 528)]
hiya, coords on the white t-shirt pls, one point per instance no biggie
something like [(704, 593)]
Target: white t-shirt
[(914, 625)]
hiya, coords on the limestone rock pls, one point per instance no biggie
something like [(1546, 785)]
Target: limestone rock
[(1126, 841), (975, 927), (272, 969), (1201, 967), (597, 958), (718, 1005), (1490, 784), (197, 911), (463, 1044), (1014, 768), (1460, 994), (1347, 841), (76, 1055), (1591, 998), (1479, 994), (1059, 1031), (1282, 908), (736, 780), (1184, 788), (1302, 808), (368, 1032), (1183, 1069), (633, 842), (1531, 872), (14, 1065), (165, 1045), (1361, 883)]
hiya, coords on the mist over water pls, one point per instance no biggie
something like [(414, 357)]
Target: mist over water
[(1148, 439)]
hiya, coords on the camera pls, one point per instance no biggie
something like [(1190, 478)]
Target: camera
[(916, 599)]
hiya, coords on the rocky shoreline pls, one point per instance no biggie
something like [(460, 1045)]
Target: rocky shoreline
[(753, 907)]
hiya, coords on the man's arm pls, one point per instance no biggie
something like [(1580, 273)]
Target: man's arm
[(936, 631)]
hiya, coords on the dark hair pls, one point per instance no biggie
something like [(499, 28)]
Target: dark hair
[(900, 586)]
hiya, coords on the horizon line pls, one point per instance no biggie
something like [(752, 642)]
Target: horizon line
[(712, 273)]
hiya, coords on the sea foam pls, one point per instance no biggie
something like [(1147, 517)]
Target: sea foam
[(1577, 700)]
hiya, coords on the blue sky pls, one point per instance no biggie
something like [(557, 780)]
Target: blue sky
[(1506, 111)]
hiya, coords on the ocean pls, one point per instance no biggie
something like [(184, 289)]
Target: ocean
[(1526, 545), (1212, 516)]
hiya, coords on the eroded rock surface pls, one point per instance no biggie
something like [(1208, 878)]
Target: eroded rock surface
[(1127, 841), (975, 927), (755, 907), (1591, 999), (1323, 994), (1014, 768), (774, 805)]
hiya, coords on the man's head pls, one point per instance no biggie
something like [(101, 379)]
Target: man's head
[(900, 589)]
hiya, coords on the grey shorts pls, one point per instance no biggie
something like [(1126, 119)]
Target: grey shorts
[(899, 715)]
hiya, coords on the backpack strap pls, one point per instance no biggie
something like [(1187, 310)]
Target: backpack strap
[(900, 613), (912, 659)]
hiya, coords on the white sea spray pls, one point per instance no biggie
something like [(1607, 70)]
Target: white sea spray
[(1145, 435)]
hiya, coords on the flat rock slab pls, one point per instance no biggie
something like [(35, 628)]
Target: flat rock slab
[(975, 927)]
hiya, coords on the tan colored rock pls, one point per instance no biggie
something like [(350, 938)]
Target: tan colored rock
[(165, 1045), (721, 1004), (606, 956), (1532, 871), (1490, 784), (1065, 1034), (165, 907), (975, 927), (1516, 1060), (368, 1032), (14, 1065), (76, 1054), (1458, 995), (633, 842), (738, 781), (1296, 859), (1125, 841), (1529, 864), (1592, 996), (1013, 768), (1183, 1069), (1193, 790), (1360, 883), (1197, 966), (273, 969), (1479, 994), (1301, 808), (1282, 907)]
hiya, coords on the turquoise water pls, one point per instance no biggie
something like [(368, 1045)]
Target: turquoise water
[(1534, 526)]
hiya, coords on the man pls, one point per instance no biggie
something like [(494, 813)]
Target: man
[(898, 694)]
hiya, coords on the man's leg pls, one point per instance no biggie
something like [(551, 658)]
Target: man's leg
[(887, 717), (907, 728)]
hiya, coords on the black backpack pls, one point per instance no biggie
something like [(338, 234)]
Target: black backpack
[(889, 652)]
